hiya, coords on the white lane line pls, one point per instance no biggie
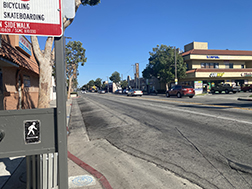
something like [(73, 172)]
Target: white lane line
[(204, 114)]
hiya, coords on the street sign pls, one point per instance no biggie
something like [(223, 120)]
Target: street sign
[(69, 8), (31, 17)]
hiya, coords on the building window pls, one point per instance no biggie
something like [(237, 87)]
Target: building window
[(242, 66), (209, 65), (229, 65), (27, 82)]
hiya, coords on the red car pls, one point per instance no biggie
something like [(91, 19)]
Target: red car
[(181, 90), (246, 88)]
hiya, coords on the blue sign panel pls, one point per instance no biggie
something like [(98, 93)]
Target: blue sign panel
[(214, 57)]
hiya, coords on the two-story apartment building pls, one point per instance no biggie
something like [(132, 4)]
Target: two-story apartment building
[(211, 67)]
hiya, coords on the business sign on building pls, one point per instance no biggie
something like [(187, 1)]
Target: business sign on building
[(24, 45), (216, 74), (31, 17), (246, 74)]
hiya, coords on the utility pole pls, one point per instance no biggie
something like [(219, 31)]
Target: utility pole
[(107, 85), (176, 77), (134, 76)]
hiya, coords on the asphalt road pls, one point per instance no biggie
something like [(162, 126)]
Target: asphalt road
[(207, 139)]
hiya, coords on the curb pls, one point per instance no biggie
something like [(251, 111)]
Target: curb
[(243, 99), (100, 177)]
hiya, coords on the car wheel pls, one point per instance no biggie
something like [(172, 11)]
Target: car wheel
[(167, 95), (140, 95), (127, 95), (234, 92), (190, 96), (226, 91), (178, 95)]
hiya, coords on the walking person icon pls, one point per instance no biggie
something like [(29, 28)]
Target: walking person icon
[(31, 129)]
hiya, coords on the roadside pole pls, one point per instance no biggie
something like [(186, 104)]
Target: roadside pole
[(175, 60), (61, 134)]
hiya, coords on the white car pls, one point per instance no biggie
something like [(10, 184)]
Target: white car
[(83, 92), (125, 91), (135, 92)]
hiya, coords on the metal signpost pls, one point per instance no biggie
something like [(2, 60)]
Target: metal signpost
[(37, 131)]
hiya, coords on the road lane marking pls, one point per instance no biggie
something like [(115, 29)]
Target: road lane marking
[(196, 103), (198, 113), (184, 102)]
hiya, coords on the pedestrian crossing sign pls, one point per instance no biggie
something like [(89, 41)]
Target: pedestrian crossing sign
[(32, 131)]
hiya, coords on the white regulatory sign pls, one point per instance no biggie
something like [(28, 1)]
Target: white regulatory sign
[(31, 17)]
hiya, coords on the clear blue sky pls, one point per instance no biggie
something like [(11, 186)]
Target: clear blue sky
[(119, 33)]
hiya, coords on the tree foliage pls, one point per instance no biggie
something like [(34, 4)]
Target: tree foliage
[(90, 84), (45, 58), (104, 86), (162, 64), (98, 82), (90, 2), (124, 84), (75, 55), (115, 77)]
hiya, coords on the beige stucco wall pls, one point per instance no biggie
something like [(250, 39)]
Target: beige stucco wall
[(221, 57), (224, 75), (196, 45), (197, 63)]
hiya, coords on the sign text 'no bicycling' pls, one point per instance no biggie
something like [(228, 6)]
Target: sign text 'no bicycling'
[(31, 17)]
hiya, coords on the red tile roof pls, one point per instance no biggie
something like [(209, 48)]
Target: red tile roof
[(12, 54), (217, 52)]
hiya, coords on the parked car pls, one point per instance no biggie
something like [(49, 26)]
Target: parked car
[(125, 91), (118, 91), (246, 88), (101, 91), (181, 90), (83, 92), (225, 87), (135, 92)]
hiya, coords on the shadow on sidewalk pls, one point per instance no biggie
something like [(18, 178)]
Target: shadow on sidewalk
[(8, 167)]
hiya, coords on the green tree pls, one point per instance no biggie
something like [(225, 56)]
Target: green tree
[(75, 55), (115, 77), (84, 87), (124, 84), (90, 84), (162, 65), (104, 86), (45, 57), (98, 83)]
